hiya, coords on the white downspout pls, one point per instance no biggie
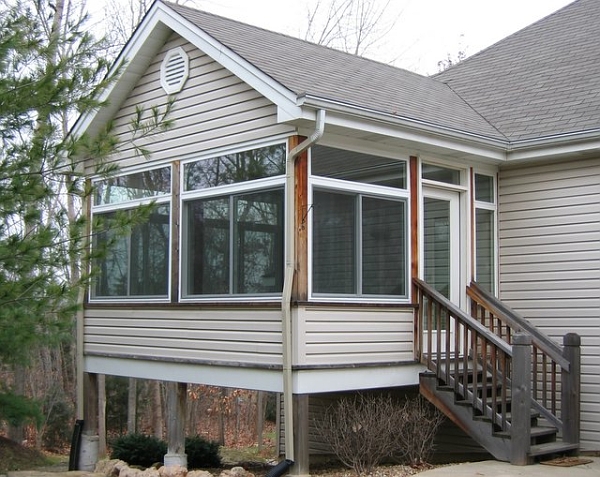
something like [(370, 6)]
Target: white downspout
[(286, 298)]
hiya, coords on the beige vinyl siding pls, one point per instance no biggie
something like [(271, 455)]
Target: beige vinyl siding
[(549, 226), (350, 336), (215, 109), (248, 337)]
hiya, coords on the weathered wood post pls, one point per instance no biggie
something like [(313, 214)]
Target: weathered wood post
[(520, 430), (571, 388), (88, 448), (176, 406)]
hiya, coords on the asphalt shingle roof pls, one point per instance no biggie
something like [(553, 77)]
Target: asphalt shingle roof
[(541, 81), (307, 68)]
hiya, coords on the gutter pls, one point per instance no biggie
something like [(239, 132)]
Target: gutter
[(290, 268)]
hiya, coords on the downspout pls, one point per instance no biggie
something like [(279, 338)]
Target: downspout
[(286, 298)]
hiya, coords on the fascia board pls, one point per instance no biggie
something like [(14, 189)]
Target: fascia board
[(561, 145), (282, 97), (135, 58), (346, 116)]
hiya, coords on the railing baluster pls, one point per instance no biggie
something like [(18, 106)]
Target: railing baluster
[(429, 332), (438, 351)]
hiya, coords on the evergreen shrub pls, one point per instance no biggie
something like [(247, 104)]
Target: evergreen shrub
[(202, 453), (138, 449)]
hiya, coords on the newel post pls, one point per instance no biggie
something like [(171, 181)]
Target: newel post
[(520, 430), (571, 388)]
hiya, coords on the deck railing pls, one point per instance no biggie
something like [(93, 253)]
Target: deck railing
[(499, 363), (554, 370)]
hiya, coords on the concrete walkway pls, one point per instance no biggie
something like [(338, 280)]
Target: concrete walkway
[(492, 468)]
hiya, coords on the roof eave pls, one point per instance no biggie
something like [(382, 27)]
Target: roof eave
[(568, 144), (409, 129)]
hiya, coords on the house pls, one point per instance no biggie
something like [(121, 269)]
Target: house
[(325, 223)]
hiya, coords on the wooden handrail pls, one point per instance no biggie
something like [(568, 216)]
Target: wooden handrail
[(469, 357), (517, 323), (464, 317), (494, 356)]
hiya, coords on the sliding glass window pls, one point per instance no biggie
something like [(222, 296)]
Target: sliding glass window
[(359, 225), (131, 236), (233, 224)]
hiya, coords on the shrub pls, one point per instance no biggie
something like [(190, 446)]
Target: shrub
[(202, 453), (418, 424), (366, 429), (359, 430), (138, 449)]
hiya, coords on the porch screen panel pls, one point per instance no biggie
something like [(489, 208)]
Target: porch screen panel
[(259, 238), (437, 244), (484, 233), (135, 264), (334, 246), (383, 247), (209, 232), (150, 255)]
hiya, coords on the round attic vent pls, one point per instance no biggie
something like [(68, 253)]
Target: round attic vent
[(174, 70)]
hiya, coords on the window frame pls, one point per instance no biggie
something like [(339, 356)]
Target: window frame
[(493, 207), (365, 190), (226, 191), (159, 200)]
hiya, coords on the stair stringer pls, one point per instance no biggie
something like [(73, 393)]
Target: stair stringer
[(479, 429)]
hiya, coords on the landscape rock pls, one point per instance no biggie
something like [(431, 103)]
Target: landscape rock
[(173, 471), (236, 472), (110, 468), (199, 473)]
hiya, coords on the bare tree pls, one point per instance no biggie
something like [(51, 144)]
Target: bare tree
[(121, 18), (353, 26)]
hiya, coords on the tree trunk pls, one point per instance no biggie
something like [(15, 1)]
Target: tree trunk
[(157, 415), (17, 433), (101, 415), (132, 406)]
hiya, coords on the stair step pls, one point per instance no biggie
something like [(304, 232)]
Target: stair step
[(551, 448), (538, 431)]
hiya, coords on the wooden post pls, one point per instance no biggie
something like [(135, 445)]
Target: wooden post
[(176, 406), (88, 449), (301, 441), (521, 399), (571, 388)]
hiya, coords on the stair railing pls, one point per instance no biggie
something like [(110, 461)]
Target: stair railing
[(465, 355), (555, 371)]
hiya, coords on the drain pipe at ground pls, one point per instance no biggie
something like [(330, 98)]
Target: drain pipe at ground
[(290, 268)]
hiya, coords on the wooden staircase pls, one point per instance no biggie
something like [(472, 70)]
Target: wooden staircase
[(503, 382)]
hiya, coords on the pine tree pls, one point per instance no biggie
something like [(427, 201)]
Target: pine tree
[(52, 71)]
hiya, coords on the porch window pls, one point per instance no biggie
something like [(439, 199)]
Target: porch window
[(485, 232), (233, 224), (132, 261), (359, 238)]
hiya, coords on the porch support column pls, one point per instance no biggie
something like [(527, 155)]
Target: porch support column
[(301, 441), (571, 388), (88, 448), (176, 407), (521, 399)]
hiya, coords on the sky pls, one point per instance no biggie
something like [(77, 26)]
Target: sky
[(425, 31)]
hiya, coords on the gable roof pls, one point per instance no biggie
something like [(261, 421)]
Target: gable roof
[(514, 100), (540, 82), (310, 70)]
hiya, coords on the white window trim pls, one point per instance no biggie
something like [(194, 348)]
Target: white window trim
[(371, 190), (493, 206), (225, 190), (162, 199)]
